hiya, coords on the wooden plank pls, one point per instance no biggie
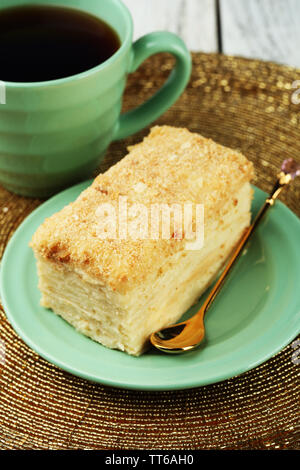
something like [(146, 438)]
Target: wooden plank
[(264, 29), (193, 20)]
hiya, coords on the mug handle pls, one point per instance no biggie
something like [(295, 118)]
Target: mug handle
[(140, 117)]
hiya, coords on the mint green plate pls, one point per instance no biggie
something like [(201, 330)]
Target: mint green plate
[(255, 316)]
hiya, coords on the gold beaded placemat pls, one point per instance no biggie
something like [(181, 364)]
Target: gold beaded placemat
[(244, 104)]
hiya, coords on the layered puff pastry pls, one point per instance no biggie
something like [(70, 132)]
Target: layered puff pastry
[(118, 288)]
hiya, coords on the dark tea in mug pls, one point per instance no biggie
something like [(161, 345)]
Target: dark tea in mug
[(41, 43)]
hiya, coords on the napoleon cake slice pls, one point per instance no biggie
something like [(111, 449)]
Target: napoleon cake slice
[(115, 276)]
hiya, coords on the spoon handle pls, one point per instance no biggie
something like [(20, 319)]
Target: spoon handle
[(282, 181)]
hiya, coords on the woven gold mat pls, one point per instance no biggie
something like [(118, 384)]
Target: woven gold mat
[(245, 104)]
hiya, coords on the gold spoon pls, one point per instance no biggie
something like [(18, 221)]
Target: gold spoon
[(187, 335)]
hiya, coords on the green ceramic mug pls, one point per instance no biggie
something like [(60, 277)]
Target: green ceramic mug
[(53, 133)]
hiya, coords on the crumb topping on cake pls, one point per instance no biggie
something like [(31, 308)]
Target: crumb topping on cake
[(170, 166)]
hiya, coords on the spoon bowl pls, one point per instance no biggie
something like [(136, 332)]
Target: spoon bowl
[(179, 338)]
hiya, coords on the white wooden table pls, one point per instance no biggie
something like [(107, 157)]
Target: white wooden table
[(264, 29)]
